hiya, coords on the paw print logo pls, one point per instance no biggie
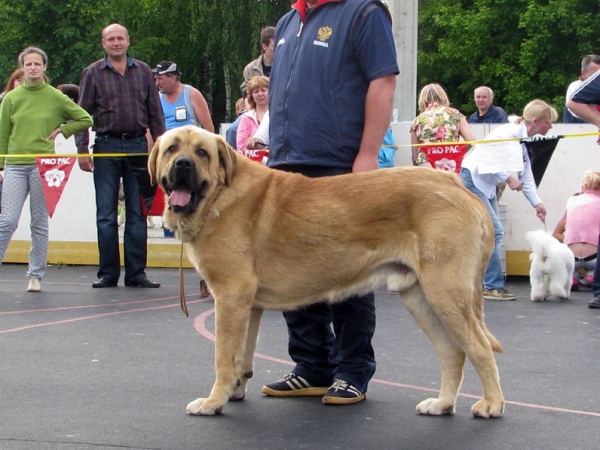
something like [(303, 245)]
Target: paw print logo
[(446, 164)]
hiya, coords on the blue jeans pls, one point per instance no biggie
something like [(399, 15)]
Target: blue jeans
[(346, 352), (493, 274), (107, 175), (596, 284)]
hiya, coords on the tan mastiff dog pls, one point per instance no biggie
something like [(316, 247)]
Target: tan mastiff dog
[(268, 239)]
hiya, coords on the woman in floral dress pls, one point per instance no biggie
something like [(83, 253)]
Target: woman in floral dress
[(436, 123)]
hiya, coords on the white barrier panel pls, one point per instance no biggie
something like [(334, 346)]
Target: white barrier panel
[(571, 159), (73, 227), (73, 238), (75, 215)]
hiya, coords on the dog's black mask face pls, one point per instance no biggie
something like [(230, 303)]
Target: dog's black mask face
[(183, 186)]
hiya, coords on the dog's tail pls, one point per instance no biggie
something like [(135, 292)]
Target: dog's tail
[(539, 241), (495, 343), (479, 317)]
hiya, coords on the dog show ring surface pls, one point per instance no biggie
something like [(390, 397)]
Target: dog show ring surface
[(116, 367), (87, 368)]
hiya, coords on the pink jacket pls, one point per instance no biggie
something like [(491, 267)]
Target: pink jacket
[(583, 218), (246, 129)]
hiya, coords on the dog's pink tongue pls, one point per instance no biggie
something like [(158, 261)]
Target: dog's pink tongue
[(180, 198)]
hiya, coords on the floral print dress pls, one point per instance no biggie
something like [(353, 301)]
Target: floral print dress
[(436, 124)]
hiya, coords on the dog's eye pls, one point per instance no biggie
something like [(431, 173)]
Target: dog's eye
[(201, 152), (171, 149)]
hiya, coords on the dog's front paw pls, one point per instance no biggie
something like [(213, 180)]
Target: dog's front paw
[(486, 409), (203, 407), (435, 407)]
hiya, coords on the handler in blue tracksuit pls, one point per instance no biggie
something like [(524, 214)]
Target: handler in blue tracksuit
[(330, 101), (581, 104)]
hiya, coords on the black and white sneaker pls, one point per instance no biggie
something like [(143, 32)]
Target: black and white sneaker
[(293, 385), (343, 393)]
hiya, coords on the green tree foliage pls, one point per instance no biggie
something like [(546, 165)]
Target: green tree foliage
[(68, 31), (209, 39), (523, 49)]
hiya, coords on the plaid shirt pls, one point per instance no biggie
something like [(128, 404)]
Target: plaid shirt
[(118, 103)]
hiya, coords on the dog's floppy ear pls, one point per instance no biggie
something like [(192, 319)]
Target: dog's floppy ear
[(227, 160), (152, 162)]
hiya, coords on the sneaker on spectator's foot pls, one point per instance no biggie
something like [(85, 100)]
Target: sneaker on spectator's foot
[(343, 393), (589, 279), (595, 303), (498, 294), (293, 385), (34, 285)]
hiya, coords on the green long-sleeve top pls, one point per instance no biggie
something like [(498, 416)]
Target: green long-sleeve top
[(28, 116)]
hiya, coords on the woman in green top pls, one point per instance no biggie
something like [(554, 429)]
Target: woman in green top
[(31, 116)]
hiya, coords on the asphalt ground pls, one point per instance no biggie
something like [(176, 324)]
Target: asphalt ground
[(85, 368)]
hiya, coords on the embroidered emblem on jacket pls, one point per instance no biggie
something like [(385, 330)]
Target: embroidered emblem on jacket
[(323, 34)]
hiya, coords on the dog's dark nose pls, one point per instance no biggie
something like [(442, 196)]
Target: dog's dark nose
[(184, 163)]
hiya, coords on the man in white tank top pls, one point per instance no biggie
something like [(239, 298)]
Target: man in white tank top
[(182, 105)]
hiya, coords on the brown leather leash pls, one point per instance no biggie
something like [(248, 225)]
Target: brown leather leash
[(181, 287)]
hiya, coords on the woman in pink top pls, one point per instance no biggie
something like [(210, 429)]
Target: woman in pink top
[(580, 226), (258, 98)]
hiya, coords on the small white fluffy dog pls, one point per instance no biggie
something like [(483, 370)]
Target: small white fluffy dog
[(552, 265)]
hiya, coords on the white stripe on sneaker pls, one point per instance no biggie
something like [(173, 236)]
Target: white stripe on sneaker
[(297, 382), (343, 386)]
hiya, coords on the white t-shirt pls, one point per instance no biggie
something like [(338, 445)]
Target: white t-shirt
[(570, 91), (263, 130)]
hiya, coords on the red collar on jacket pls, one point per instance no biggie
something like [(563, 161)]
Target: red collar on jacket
[(300, 6)]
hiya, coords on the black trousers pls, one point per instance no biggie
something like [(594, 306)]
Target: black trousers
[(328, 341)]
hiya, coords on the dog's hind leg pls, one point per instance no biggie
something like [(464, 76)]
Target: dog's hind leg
[(568, 285), (232, 317), (561, 281), (558, 289), (462, 318), (538, 283), (482, 358), (247, 369), (450, 355)]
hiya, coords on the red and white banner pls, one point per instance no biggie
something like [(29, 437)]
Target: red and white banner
[(54, 171), (158, 204), (258, 155), (445, 157)]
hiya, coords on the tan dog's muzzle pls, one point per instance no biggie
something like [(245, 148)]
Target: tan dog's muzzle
[(183, 185)]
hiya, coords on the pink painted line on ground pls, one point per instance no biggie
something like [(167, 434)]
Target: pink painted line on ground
[(95, 316), (103, 305), (199, 324)]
